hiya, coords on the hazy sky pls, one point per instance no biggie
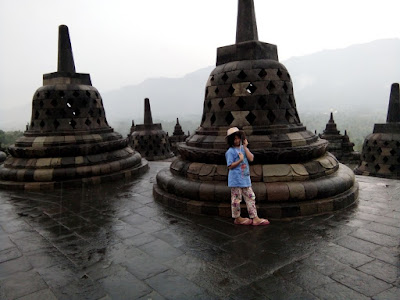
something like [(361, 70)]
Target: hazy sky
[(123, 42)]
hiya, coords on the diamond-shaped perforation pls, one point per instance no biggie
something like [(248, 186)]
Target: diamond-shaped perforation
[(42, 124), (229, 118), (225, 77), (270, 86), (386, 143), (231, 90), (63, 113), (392, 168), (37, 114), (98, 121), (262, 101), (56, 124), (209, 104), (377, 167), (393, 152), (373, 158), (216, 91), (285, 87), (278, 101), (289, 117), (41, 104), (242, 75), (91, 112), (221, 104), (88, 122), (271, 116), (279, 73), (76, 112), (240, 102), (385, 159), (88, 94), (47, 95), (251, 88), (75, 94), (206, 92), (379, 150), (48, 113), (213, 119), (37, 95), (70, 102), (203, 118), (251, 118), (262, 73), (54, 102), (72, 123), (212, 78), (61, 94)]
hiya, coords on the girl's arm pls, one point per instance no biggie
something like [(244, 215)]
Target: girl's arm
[(249, 155), (236, 163)]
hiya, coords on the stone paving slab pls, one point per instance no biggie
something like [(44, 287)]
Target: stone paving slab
[(115, 242)]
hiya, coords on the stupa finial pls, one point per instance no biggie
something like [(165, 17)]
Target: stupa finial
[(65, 57), (331, 118), (393, 114), (148, 120), (246, 29)]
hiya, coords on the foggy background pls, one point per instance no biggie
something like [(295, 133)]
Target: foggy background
[(342, 55)]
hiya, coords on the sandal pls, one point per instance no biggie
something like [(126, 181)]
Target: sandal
[(245, 221), (262, 223)]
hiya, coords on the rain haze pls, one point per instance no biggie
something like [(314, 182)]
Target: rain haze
[(122, 43)]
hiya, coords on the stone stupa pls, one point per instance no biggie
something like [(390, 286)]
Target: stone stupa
[(380, 155), (178, 136), (340, 145), (149, 139), (292, 175), (68, 141)]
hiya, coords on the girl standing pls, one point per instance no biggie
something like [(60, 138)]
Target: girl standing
[(237, 159)]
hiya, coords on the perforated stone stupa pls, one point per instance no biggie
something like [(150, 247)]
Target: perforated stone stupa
[(68, 141), (293, 175), (149, 139), (340, 145), (380, 155), (178, 136)]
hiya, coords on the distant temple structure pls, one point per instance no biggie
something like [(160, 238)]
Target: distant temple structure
[(68, 141), (340, 145), (149, 139), (292, 175), (178, 136), (381, 150)]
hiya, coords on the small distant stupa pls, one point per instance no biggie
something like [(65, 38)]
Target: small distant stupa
[(178, 136), (340, 145), (381, 150), (68, 141), (149, 139)]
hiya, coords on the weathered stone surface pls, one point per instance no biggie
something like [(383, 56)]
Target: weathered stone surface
[(252, 90), (68, 141), (381, 150), (149, 139)]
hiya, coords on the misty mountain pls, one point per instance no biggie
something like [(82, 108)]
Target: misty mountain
[(356, 78)]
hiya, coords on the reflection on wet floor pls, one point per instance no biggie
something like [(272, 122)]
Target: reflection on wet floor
[(115, 242)]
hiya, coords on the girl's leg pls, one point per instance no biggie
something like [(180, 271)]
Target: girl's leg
[(250, 199), (236, 198)]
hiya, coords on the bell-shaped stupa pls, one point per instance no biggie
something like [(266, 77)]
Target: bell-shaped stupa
[(340, 145), (292, 174), (149, 139), (380, 155), (68, 141), (178, 136)]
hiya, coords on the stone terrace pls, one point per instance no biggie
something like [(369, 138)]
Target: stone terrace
[(115, 242)]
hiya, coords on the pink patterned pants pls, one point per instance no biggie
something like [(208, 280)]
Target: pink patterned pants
[(249, 198)]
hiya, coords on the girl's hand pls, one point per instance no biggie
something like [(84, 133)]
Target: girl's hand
[(245, 142), (241, 156)]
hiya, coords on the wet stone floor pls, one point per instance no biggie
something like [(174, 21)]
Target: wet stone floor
[(115, 242)]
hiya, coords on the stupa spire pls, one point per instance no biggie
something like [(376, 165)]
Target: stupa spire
[(393, 114), (246, 29), (148, 120), (65, 57), (331, 118)]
